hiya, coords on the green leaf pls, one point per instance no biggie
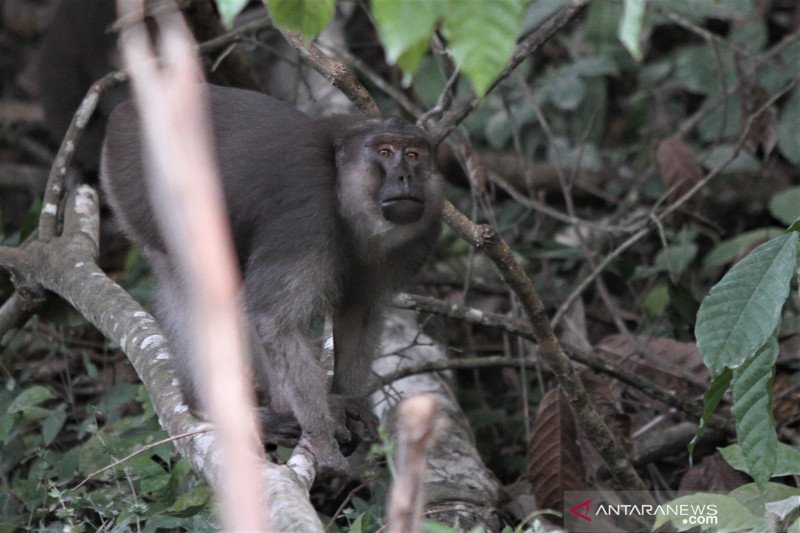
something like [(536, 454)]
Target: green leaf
[(727, 251), (696, 69), (700, 9), (742, 311), (730, 514), (29, 398), (52, 425), (675, 259), (309, 17), (191, 501), (752, 410), (481, 36), (539, 11), (405, 43), (751, 33), (723, 122), (742, 162), (787, 463), (756, 498), (7, 428), (229, 9), (783, 508), (712, 397), (566, 90), (785, 206), (630, 28), (788, 136), (656, 301), (602, 22)]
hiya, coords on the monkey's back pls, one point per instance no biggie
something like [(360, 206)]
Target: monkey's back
[(279, 177)]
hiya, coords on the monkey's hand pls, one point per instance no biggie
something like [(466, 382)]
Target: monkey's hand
[(280, 429), (355, 421)]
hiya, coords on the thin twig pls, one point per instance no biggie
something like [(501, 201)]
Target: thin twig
[(521, 328), (140, 451)]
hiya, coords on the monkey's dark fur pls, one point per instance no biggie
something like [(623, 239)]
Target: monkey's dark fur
[(328, 215)]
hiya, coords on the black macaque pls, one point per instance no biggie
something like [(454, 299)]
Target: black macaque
[(329, 216), (77, 49)]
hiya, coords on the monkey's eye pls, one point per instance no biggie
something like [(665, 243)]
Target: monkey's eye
[(385, 152), (412, 155)]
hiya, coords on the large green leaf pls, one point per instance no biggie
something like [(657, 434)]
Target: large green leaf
[(29, 398), (481, 36), (785, 206), (752, 410), (787, 464), (727, 251), (755, 498), (406, 43), (309, 17), (740, 313)]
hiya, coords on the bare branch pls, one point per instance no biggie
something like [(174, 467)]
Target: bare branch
[(335, 71), (48, 220)]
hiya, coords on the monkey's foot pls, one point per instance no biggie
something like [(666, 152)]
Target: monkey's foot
[(331, 464), (355, 421)]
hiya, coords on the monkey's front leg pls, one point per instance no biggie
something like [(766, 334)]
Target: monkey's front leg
[(297, 383), (356, 334)]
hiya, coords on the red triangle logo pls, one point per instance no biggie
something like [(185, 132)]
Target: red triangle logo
[(576, 510)]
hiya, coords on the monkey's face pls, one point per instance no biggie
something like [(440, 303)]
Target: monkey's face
[(390, 170), (403, 165), (387, 179)]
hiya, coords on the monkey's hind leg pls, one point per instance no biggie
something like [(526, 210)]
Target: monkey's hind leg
[(174, 314), (296, 381)]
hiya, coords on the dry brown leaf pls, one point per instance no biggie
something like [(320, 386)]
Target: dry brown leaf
[(786, 406), (764, 128), (673, 365), (680, 171), (712, 474), (606, 395), (554, 457)]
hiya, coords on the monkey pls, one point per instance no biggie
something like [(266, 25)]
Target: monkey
[(77, 49), (329, 216)]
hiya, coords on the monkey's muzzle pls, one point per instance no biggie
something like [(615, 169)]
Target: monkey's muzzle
[(402, 209)]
